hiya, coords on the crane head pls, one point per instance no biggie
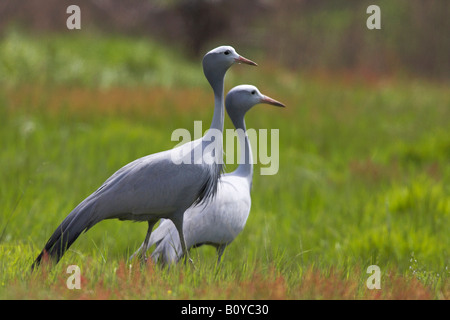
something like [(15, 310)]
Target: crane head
[(217, 61), (242, 98), (227, 56)]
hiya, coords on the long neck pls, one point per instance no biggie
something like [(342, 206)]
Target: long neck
[(219, 112), (213, 139), (245, 167), (215, 76)]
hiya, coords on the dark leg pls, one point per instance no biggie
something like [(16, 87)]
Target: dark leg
[(144, 247), (178, 222), (220, 250)]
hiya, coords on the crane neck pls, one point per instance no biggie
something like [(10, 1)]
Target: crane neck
[(219, 112), (245, 168)]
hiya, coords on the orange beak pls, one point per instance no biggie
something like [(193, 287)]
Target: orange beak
[(245, 60), (271, 101)]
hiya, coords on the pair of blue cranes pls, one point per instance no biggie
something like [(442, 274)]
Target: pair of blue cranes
[(198, 204)]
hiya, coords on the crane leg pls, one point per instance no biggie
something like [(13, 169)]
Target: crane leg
[(144, 247), (220, 250), (178, 222)]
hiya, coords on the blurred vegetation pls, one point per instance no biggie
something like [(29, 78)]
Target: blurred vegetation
[(364, 157), (363, 179), (90, 60), (301, 34)]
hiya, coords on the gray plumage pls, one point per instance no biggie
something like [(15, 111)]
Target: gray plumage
[(218, 222), (156, 186)]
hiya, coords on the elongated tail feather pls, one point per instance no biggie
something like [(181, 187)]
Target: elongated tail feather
[(79, 220)]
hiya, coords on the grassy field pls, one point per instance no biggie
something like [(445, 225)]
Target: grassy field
[(364, 176)]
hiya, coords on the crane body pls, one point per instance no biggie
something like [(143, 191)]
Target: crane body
[(154, 186), (219, 221)]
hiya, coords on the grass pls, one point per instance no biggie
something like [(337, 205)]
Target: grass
[(363, 178)]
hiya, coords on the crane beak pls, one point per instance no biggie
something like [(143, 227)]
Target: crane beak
[(241, 59), (268, 100)]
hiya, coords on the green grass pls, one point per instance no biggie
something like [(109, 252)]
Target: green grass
[(84, 60), (363, 179)]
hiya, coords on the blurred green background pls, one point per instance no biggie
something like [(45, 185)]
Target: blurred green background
[(364, 141), (301, 35)]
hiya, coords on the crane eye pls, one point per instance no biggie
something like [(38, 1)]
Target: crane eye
[(254, 92), (227, 52)]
